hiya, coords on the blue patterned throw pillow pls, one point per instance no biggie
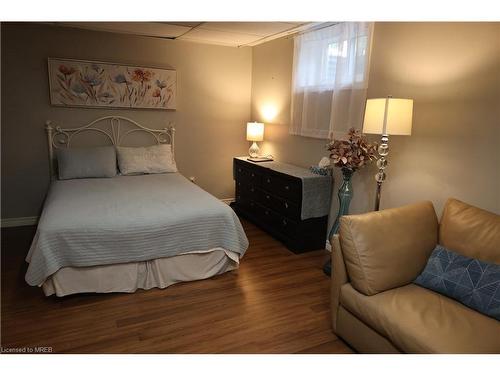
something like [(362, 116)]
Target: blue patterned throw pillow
[(470, 281)]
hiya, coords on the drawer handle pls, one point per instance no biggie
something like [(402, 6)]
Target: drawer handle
[(287, 187), (252, 190), (239, 183), (268, 197), (239, 169), (253, 175), (268, 180), (284, 223), (286, 205)]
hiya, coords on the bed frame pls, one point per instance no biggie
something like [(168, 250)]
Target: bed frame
[(114, 128)]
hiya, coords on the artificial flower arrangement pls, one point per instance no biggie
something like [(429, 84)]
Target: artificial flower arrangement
[(352, 153), (349, 155)]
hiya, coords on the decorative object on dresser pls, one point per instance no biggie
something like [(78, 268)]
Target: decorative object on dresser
[(323, 168), (289, 202), (255, 133), (350, 155), (386, 116)]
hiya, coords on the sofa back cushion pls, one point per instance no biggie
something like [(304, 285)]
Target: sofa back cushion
[(470, 231), (387, 249)]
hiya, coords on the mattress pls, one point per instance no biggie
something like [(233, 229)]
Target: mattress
[(128, 277), (128, 219)]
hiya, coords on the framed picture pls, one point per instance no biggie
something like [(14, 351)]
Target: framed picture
[(82, 83)]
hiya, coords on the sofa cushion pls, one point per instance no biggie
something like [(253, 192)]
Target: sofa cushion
[(470, 281), (389, 248), (470, 231), (417, 320)]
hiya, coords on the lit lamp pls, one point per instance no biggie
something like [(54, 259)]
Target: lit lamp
[(255, 133), (386, 116)]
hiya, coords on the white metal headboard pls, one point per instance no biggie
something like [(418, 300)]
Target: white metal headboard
[(111, 127)]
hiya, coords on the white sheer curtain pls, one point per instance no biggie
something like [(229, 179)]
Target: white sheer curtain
[(330, 79)]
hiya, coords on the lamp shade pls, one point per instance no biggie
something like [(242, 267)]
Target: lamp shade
[(255, 131), (389, 116)]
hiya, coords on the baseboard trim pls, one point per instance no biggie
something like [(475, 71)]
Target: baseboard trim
[(19, 221), (227, 200)]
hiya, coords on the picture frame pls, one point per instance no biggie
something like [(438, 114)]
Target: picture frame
[(99, 84)]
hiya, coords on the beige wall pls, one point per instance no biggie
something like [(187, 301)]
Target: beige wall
[(451, 70), (214, 86)]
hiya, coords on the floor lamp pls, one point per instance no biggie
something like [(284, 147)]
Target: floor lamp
[(386, 116)]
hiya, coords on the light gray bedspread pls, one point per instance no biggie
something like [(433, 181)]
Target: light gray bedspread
[(89, 222)]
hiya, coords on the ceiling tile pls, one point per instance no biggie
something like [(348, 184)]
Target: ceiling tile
[(218, 37), (252, 28), (188, 24), (223, 33), (157, 29)]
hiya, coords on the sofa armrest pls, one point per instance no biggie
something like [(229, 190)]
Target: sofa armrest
[(387, 249), (339, 278)]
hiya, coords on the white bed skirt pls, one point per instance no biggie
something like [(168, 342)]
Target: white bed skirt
[(128, 277)]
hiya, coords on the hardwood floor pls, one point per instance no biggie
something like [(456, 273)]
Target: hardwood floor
[(277, 302)]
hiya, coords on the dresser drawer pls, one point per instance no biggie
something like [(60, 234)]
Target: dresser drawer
[(279, 223), (250, 206), (248, 176), (247, 191), (288, 208), (265, 198), (290, 188), (289, 228), (283, 206)]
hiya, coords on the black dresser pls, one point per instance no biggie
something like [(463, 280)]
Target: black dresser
[(272, 200)]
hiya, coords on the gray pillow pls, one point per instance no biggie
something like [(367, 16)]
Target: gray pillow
[(86, 162)]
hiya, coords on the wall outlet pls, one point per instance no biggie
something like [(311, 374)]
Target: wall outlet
[(192, 179)]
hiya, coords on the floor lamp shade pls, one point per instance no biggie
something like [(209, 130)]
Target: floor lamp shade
[(386, 116), (389, 116)]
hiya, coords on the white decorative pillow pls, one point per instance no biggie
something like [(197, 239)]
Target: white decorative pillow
[(145, 160)]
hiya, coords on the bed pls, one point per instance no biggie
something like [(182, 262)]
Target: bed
[(126, 233)]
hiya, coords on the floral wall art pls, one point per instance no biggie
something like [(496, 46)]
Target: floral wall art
[(79, 83)]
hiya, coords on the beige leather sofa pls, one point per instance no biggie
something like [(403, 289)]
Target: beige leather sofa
[(376, 256)]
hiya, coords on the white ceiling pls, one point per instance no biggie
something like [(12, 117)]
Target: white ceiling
[(234, 34)]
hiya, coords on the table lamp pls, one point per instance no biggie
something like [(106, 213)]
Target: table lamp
[(386, 116), (255, 133)]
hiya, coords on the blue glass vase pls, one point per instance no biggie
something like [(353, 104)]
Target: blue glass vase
[(345, 196)]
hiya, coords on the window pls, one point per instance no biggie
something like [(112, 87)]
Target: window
[(330, 78)]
